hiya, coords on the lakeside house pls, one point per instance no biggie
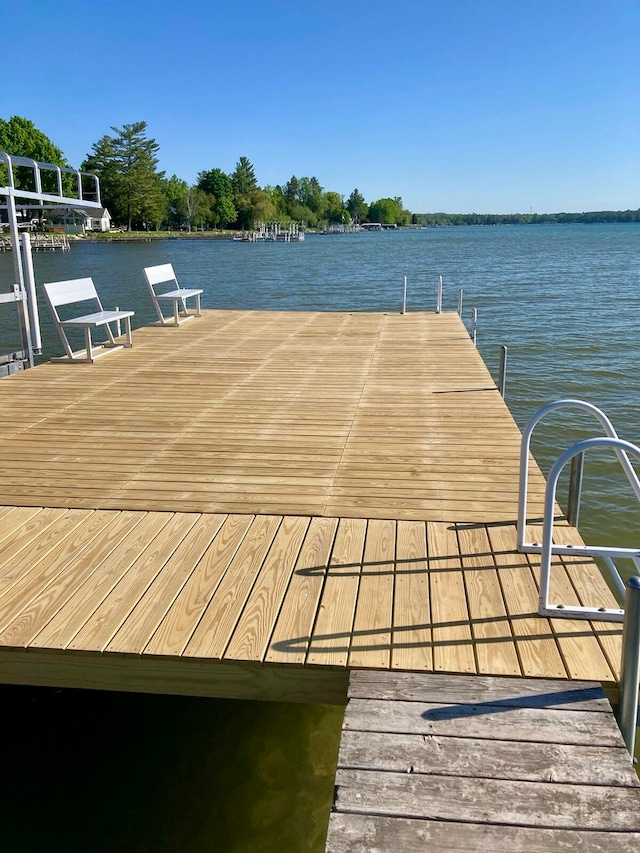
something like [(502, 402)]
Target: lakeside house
[(81, 220)]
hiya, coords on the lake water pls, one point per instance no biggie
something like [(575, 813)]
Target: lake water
[(168, 774)]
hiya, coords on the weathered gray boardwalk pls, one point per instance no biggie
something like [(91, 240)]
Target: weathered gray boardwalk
[(465, 763)]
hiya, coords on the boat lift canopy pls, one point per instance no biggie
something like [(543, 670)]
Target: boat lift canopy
[(86, 195)]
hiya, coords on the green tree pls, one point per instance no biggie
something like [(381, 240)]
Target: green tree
[(174, 188), (126, 165), (334, 206), (21, 138), (217, 184), (357, 206), (385, 210), (243, 181), (194, 206)]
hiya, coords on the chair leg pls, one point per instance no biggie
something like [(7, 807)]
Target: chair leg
[(87, 343)]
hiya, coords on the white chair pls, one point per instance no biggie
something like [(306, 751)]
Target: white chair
[(83, 290), (163, 274)]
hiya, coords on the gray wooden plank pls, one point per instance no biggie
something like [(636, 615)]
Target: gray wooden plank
[(577, 807), (471, 757), (464, 689), (352, 833), (518, 724)]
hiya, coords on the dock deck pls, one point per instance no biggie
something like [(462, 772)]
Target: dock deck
[(255, 503), (445, 764)]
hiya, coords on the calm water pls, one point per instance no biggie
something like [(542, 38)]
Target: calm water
[(194, 775)]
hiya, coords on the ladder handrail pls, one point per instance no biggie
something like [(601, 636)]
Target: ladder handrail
[(524, 457), (548, 548)]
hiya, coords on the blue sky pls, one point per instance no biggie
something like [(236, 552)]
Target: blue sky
[(456, 105)]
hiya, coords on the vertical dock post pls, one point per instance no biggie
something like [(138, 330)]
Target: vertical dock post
[(404, 297), (460, 295), (474, 325), (630, 668), (439, 300), (30, 286), (575, 489), (502, 378)]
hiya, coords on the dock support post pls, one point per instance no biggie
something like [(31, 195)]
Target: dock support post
[(502, 378), (474, 325), (439, 300), (32, 299), (575, 489), (460, 295), (630, 668), (404, 297)]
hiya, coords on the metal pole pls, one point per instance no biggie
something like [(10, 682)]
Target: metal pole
[(460, 294), (30, 285), (25, 330), (474, 325), (439, 300), (575, 489), (630, 667), (404, 297), (502, 379)]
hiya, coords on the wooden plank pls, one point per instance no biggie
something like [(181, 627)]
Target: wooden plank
[(27, 574), (537, 649), (214, 631), (178, 625), (72, 616), (411, 638), (452, 646), (354, 833), (578, 645), (254, 628), (475, 757), (292, 633), (47, 592), (371, 641), (25, 530), (580, 807), (116, 607), (480, 690), (173, 676), (492, 722), (493, 640), (143, 620), (331, 638)]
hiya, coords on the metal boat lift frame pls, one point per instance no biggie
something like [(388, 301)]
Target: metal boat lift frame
[(23, 291)]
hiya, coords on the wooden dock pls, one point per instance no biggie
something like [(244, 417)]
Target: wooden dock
[(446, 763), (256, 503)]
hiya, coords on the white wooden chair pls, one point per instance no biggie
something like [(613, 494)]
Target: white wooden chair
[(163, 274), (59, 293)]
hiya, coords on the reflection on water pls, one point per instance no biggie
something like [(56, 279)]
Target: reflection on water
[(146, 773), (104, 772)]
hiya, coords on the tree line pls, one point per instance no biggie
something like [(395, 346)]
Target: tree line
[(442, 219), (139, 196)]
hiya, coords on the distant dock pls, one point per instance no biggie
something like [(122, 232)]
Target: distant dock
[(41, 243)]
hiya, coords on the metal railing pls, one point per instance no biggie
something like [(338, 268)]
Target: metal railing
[(630, 615), (547, 548), (39, 197)]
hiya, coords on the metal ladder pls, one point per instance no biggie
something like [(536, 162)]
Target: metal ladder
[(630, 615), (622, 449)]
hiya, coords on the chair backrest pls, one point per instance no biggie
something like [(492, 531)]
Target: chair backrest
[(161, 274), (72, 290)]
